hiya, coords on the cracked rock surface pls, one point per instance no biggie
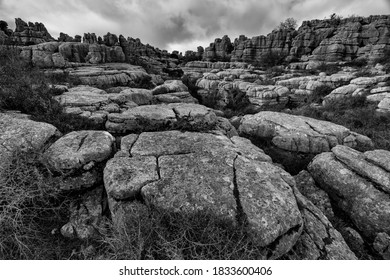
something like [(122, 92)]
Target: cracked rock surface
[(300, 134), (161, 117), (189, 172), (358, 183), (79, 148), (17, 133), (319, 239)]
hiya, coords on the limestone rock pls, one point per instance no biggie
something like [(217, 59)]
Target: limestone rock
[(138, 96), (22, 134), (359, 194), (189, 172), (79, 148), (298, 133), (381, 245), (169, 87), (86, 216), (307, 187), (319, 240), (176, 97), (162, 117), (111, 74)]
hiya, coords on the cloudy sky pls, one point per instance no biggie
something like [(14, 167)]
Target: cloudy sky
[(178, 24)]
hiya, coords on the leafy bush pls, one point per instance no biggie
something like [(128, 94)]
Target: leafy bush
[(289, 23)]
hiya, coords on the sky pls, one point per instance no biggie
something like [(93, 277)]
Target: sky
[(178, 24)]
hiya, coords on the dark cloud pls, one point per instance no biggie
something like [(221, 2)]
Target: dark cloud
[(177, 23), (175, 30)]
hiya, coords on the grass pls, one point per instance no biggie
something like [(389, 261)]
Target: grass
[(155, 234), (30, 208), (356, 114)]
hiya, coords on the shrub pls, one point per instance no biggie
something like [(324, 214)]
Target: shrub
[(319, 93), (160, 235), (328, 68), (31, 206), (272, 58), (384, 58), (26, 89), (358, 63), (355, 114), (289, 23)]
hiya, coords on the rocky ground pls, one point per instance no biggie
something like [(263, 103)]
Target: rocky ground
[(222, 138)]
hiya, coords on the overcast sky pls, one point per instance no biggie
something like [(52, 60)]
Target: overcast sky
[(178, 24)]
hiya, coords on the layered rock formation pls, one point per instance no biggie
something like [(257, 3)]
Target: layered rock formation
[(30, 33), (330, 39)]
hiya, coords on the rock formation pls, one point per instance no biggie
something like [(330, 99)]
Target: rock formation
[(30, 33), (360, 185), (328, 39)]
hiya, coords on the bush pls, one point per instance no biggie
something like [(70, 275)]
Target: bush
[(355, 114), (271, 59), (31, 206), (26, 89), (328, 68), (163, 235), (319, 93)]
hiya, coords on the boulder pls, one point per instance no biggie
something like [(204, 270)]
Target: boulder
[(189, 172), (18, 133), (298, 138), (162, 117), (358, 183), (77, 149), (169, 87), (319, 240)]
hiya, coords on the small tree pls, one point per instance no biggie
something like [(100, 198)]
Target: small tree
[(289, 23)]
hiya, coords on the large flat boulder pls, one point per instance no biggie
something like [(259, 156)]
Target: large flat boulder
[(162, 117), (189, 172), (295, 138)]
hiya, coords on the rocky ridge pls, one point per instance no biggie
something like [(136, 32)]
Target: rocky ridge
[(329, 39)]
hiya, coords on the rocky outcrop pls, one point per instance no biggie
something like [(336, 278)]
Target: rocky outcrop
[(113, 74), (78, 157), (30, 33), (296, 139), (252, 50), (190, 172), (162, 117), (66, 38), (219, 50), (332, 39), (359, 184)]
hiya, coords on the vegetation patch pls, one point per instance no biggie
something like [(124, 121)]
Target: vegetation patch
[(25, 88)]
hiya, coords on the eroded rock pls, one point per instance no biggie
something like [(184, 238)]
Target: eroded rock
[(189, 172)]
